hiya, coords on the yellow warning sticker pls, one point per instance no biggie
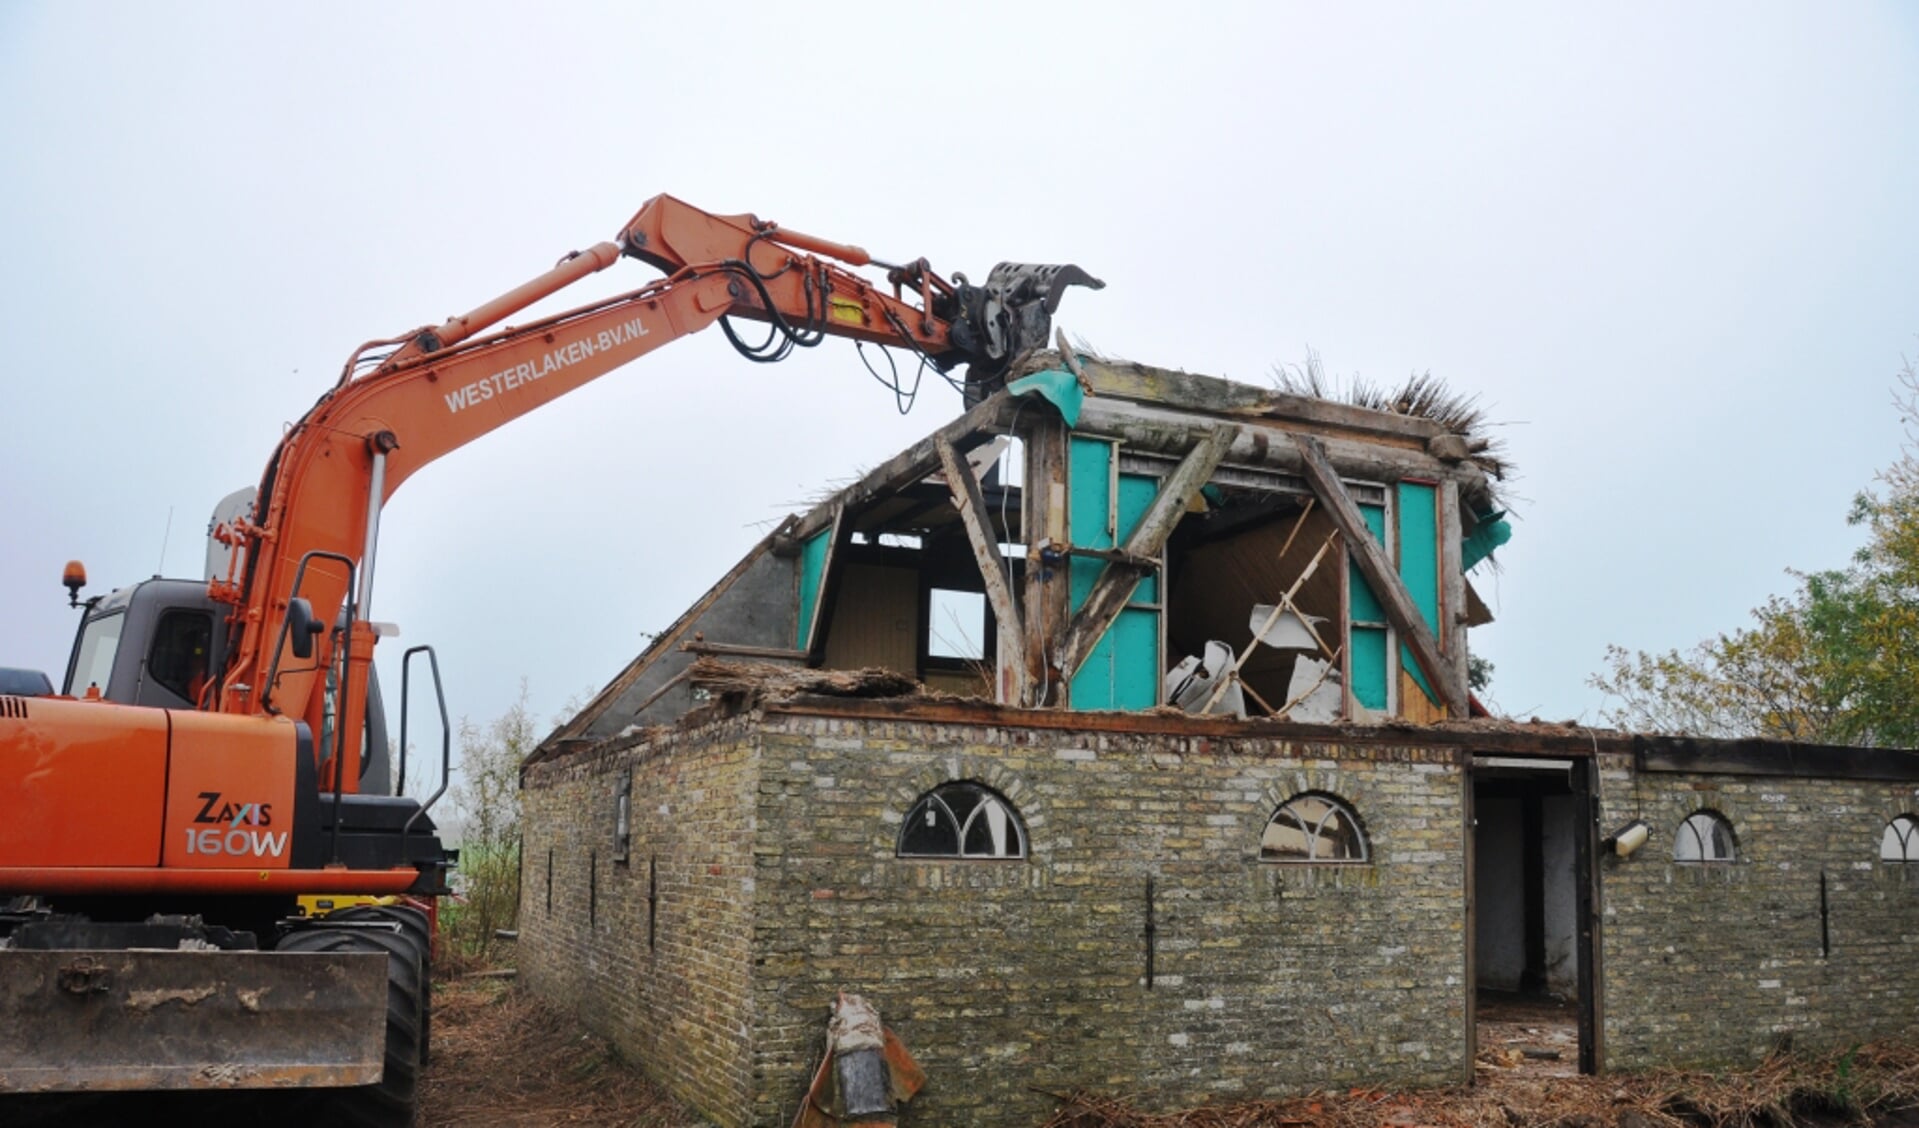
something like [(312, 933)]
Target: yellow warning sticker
[(847, 310)]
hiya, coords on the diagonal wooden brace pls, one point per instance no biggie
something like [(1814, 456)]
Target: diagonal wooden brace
[(1117, 581), (971, 504), (1370, 556)]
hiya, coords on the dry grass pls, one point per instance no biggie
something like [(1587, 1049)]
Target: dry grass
[(1422, 396), (502, 1059)]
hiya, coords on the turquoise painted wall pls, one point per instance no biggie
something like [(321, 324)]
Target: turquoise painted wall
[(1122, 671), (812, 571), (1368, 644), (1418, 519)]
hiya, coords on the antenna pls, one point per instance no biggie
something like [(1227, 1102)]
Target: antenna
[(162, 569)]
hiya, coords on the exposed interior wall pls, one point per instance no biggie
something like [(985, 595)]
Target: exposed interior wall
[(656, 952), (819, 584), (1719, 963), (876, 620), (1499, 894), (1216, 584), (1558, 827), (1516, 873)]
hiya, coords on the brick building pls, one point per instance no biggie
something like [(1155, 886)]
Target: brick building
[(1196, 807)]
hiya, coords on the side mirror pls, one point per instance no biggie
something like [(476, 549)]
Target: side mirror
[(302, 626)]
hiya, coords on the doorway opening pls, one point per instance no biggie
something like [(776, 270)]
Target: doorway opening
[(1531, 910)]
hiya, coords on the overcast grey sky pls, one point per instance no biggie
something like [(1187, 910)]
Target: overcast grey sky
[(1673, 246)]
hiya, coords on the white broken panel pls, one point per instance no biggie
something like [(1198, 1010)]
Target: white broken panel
[(1290, 631), (1190, 684), (1315, 691)]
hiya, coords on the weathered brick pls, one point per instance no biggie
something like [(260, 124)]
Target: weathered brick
[(770, 838)]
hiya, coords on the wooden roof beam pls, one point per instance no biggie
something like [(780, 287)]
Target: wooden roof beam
[(1370, 556), (972, 507), (991, 415), (1117, 580)]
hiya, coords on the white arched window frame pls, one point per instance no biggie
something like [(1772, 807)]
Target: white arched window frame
[(962, 820), (1705, 836), (1314, 828), (1900, 842)]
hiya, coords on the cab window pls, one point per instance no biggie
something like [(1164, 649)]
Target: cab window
[(93, 658), (178, 660)]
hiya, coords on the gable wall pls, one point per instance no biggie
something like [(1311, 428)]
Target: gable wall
[(666, 980)]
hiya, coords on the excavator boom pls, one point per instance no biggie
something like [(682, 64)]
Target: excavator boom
[(314, 533)]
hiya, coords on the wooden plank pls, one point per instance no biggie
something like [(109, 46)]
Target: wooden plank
[(1348, 704), (1587, 898), (1117, 581), (966, 496), (881, 626), (1774, 758), (1149, 429), (665, 687), (908, 466), (1191, 392), (1297, 738), (735, 650), (1452, 586), (1379, 573), (1043, 522), (1113, 556), (1414, 706)]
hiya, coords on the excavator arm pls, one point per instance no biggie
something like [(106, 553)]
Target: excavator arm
[(308, 550)]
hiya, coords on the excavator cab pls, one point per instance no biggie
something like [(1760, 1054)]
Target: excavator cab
[(158, 643)]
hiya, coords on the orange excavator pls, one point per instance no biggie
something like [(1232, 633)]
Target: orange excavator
[(220, 749)]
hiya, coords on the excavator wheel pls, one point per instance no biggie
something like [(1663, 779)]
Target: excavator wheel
[(413, 925), (390, 1103)]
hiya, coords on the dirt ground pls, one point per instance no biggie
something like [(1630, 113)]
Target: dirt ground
[(502, 1059)]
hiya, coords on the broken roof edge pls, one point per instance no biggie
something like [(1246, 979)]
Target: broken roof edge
[(1164, 412), (1228, 399), (1427, 413), (1491, 736), (574, 728), (990, 416)]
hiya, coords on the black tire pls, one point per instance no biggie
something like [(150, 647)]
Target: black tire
[(390, 1103), (412, 921), (413, 924)]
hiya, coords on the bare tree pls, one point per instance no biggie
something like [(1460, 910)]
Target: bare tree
[(486, 797)]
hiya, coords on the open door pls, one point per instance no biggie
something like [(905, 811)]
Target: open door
[(1532, 924)]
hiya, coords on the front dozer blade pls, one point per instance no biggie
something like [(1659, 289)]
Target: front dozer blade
[(89, 1021), (1009, 316)]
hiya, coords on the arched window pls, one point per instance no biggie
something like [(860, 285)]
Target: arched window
[(962, 820), (1900, 843), (1705, 836), (1313, 828)]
